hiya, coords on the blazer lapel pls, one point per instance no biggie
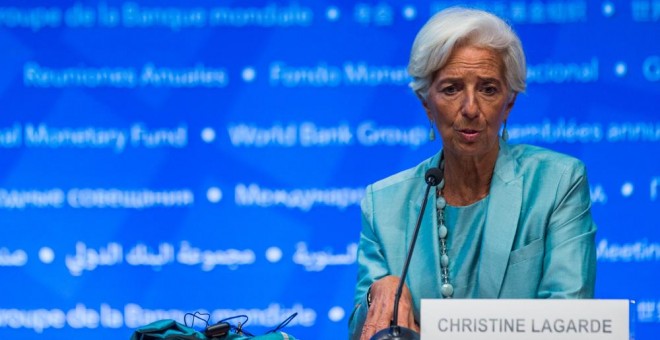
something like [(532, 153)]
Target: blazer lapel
[(501, 224), (425, 263)]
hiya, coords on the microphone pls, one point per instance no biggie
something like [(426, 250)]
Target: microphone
[(432, 177)]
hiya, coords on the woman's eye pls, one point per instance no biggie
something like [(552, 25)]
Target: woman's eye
[(490, 90), (449, 90)]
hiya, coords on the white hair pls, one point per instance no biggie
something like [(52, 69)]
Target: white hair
[(459, 26)]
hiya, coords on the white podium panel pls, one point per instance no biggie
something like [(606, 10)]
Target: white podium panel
[(540, 319)]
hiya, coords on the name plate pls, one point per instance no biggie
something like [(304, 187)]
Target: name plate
[(547, 319)]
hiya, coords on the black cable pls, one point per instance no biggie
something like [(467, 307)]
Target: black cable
[(196, 315), (239, 329), (283, 324)]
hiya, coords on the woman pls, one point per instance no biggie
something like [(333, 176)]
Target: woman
[(506, 222)]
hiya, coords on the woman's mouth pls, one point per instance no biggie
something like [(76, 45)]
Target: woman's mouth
[(469, 135)]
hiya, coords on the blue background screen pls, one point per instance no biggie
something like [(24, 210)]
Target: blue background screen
[(162, 157)]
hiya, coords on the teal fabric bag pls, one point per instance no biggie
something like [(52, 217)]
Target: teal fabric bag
[(166, 329), (172, 330)]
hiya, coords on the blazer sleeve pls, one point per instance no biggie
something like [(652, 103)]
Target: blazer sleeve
[(371, 265), (569, 263)]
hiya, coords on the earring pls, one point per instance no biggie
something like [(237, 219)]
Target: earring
[(431, 131), (505, 133)]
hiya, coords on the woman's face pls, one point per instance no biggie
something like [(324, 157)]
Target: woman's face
[(468, 101)]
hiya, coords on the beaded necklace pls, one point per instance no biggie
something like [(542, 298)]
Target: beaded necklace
[(446, 289)]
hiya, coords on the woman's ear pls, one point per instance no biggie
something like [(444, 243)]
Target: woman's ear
[(509, 105), (512, 100), (425, 104)]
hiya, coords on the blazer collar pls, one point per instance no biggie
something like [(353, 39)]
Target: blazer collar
[(501, 223), (502, 216)]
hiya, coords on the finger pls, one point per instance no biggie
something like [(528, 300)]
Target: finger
[(406, 317), (382, 325), (411, 322), (406, 314), (415, 327), (376, 318), (376, 326), (367, 332)]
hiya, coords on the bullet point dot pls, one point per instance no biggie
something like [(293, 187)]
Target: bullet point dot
[(409, 12), (627, 189), (248, 74), (620, 69), (208, 135), (273, 254), (336, 314), (332, 13), (214, 195), (46, 255), (608, 9)]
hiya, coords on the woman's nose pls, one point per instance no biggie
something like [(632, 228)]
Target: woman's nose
[(470, 108)]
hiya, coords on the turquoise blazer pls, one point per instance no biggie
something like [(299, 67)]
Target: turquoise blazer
[(538, 239)]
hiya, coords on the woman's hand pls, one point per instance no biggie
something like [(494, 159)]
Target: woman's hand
[(382, 305)]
